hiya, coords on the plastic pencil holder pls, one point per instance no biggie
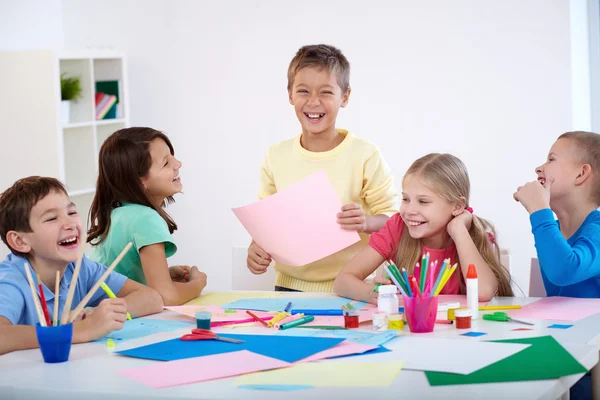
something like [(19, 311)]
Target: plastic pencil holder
[(55, 342), (420, 313)]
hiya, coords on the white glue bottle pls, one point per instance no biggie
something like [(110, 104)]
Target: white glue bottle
[(387, 302), (472, 292)]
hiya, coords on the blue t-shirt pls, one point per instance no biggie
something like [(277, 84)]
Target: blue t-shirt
[(570, 267), (16, 303)]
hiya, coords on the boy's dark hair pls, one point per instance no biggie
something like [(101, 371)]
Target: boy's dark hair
[(17, 201), (124, 159), (588, 146), (321, 56)]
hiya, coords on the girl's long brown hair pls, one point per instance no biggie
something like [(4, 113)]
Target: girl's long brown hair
[(447, 176), (123, 160)]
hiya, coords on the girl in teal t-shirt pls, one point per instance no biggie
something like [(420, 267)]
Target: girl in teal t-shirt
[(138, 176)]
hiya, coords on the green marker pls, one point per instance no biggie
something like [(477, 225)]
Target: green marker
[(297, 322)]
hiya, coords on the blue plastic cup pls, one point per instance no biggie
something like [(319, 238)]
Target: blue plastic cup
[(55, 342)]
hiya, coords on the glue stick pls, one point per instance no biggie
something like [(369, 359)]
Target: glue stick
[(473, 292)]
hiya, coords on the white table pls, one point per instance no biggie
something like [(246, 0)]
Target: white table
[(90, 372)]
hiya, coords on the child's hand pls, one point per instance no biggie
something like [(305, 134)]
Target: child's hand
[(533, 196), (352, 218), (258, 260), (110, 315), (197, 275), (180, 273), (463, 219)]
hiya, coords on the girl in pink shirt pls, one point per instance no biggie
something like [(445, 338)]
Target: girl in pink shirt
[(434, 218)]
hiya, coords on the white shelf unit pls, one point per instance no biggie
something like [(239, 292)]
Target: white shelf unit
[(30, 105)]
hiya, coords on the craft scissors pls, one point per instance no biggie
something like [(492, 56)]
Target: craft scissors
[(503, 317), (204, 334)]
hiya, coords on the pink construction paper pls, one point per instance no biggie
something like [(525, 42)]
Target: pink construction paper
[(343, 349), (453, 298), (200, 369), (332, 320), (558, 308), (219, 316), (298, 224)]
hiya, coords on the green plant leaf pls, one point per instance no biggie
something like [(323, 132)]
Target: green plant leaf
[(70, 88)]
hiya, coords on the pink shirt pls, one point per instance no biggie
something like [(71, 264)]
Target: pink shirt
[(385, 242)]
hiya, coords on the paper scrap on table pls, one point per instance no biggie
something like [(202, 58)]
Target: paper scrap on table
[(557, 309), (440, 354), (361, 337), (340, 374), (281, 388), (343, 349), (200, 369), (220, 298), (284, 348), (218, 314), (298, 303), (545, 358), (140, 327), (298, 224)]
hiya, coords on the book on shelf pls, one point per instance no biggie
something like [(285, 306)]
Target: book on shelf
[(110, 88), (104, 103)]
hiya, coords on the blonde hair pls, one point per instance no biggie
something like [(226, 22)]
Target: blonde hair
[(588, 144), (321, 56), (447, 176)]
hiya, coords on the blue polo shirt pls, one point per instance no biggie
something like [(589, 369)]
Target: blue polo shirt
[(16, 303)]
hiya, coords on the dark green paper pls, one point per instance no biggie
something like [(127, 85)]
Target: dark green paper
[(544, 359)]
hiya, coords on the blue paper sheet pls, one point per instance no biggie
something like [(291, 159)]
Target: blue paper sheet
[(373, 339), (141, 327), (278, 304), (284, 348), (379, 349)]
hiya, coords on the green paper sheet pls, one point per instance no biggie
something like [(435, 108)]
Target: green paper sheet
[(544, 359)]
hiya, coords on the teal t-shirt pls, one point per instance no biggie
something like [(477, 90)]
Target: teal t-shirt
[(140, 225)]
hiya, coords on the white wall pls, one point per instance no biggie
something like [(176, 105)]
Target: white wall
[(487, 81), (30, 25)]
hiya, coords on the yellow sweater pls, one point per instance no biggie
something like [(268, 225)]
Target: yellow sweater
[(358, 174)]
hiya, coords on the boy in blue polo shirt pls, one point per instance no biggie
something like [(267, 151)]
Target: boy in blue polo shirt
[(41, 226)]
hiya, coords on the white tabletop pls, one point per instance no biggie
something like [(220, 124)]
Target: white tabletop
[(90, 372)]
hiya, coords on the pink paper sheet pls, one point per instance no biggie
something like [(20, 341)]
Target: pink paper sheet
[(558, 308), (343, 349), (218, 314), (364, 316), (297, 225), (452, 298), (200, 369)]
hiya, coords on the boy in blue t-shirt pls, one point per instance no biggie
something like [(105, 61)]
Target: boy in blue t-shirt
[(41, 226), (568, 184)]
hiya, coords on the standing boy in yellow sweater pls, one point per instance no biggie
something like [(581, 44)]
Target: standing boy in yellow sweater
[(318, 85)]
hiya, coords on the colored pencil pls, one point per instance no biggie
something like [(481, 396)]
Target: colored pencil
[(405, 275), (257, 319), (43, 300), (56, 299), (66, 313), (36, 300)]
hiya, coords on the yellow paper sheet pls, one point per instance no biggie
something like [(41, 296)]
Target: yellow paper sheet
[(218, 299), (328, 374)]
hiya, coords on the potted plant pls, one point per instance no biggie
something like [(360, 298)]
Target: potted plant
[(70, 90)]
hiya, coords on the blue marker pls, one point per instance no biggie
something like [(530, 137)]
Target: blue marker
[(319, 312)]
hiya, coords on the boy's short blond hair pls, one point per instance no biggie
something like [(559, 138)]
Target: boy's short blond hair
[(588, 146), (321, 56)]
